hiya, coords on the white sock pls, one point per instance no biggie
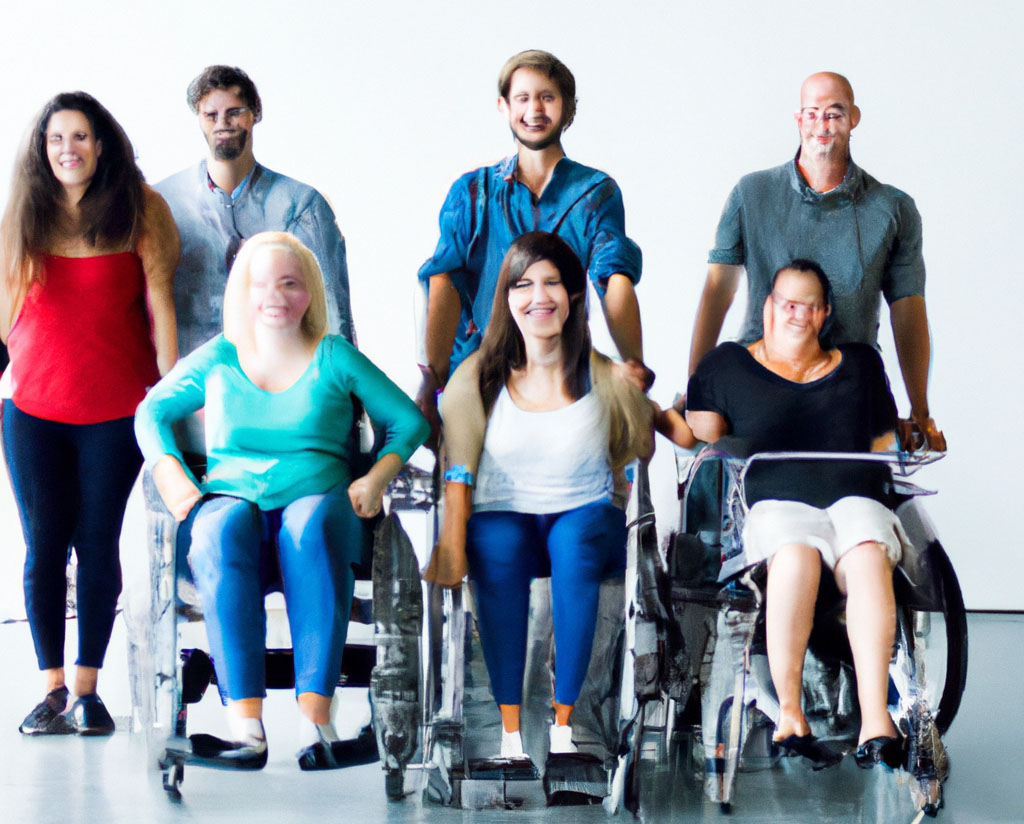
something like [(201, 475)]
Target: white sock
[(560, 739), (247, 731), (511, 744), (310, 733)]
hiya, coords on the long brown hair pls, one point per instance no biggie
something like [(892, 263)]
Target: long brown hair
[(503, 348), (111, 211)]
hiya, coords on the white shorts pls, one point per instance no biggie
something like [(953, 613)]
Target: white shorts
[(849, 522)]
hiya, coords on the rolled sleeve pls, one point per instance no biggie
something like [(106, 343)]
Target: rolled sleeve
[(904, 272), (611, 250), (452, 250), (729, 247)]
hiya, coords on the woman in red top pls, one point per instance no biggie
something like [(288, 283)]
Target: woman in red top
[(87, 313)]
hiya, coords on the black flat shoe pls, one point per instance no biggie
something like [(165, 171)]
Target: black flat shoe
[(229, 755), (885, 750), (90, 717), (807, 746), (47, 716)]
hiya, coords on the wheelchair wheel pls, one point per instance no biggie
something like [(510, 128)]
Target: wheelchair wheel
[(956, 641)]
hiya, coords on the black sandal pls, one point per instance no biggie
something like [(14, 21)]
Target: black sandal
[(807, 746)]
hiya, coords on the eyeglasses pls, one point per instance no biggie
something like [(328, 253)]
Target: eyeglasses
[(814, 115), (228, 115), (795, 307)]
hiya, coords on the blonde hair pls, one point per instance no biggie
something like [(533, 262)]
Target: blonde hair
[(237, 324)]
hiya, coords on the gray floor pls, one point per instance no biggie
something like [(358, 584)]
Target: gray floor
[(110, 780)]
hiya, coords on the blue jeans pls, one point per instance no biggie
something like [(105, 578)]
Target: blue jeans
[(239, 553), (579, 548), (71, 483)]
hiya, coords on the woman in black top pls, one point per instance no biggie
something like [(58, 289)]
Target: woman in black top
[(788, 393)]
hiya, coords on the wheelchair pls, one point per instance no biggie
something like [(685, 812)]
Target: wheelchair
[(170, 671), (703, 677), (459, 725)]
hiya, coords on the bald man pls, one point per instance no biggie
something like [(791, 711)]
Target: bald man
[(823, 207)]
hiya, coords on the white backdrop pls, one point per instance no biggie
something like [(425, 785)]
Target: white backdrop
[(382, 105)]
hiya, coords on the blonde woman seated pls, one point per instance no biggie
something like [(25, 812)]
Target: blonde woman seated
[(788, 393), (278, 495), (559, 421)]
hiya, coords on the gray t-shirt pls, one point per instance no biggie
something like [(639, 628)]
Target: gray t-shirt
[(864, 234)]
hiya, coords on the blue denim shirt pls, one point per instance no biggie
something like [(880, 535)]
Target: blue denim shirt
[(212, 226), (864, 234), (488, 208)]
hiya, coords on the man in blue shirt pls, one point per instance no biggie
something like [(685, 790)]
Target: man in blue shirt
[(823, 207), (229, 197), (537, 188)]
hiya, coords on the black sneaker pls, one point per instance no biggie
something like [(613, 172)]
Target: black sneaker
[(47, 718), (90, 717)]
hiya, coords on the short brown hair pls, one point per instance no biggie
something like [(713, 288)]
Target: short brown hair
[(545, 63), (225, 77)]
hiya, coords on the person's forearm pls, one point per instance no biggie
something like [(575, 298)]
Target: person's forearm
[(443, 312), (622, 312), (165, 330), (384, 471), (913, 348), (715, 300)]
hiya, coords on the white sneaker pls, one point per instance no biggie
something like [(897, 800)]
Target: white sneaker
[(561, 739), (512, 745)]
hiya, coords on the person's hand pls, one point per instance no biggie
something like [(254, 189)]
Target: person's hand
[(933, 438), (426, 400), (448, 565), (366, 495), (176, 488), (635, 372)]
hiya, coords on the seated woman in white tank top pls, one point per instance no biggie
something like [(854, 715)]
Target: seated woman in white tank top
[(560, 420)]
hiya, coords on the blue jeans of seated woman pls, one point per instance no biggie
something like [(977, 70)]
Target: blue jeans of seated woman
[(581, 548), (71, 483), (239, 553)]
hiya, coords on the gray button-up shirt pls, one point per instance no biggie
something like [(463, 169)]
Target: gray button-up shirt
[(212, 228), (864, 234)]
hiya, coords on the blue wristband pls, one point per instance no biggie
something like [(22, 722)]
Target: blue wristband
[(459, 474)]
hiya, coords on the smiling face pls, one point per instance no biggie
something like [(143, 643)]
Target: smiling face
[(539, 302), (226, 122), (278, 295), (795, 310), (826, 117), (534, 109), (72, 149)]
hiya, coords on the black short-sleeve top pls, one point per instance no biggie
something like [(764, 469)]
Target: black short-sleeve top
[(843, 411)]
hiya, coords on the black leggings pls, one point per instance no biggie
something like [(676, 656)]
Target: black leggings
[(71, 483)]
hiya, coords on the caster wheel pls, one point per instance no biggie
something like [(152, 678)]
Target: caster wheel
[(174, 774), (394, 785)]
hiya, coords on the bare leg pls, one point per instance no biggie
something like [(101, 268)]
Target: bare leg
[(562, 713), (85, 680), (54, 678), (864, 575), (793, 576), (509, 717), (246, 708), (316, 707)]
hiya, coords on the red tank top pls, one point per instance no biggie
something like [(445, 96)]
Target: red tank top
[(81, 349)]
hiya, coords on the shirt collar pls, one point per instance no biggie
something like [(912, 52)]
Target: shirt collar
[(847, 190), (237, 191)]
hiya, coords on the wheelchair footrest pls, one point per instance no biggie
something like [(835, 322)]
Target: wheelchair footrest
[(499, 783), (209, 751), (574, 779)]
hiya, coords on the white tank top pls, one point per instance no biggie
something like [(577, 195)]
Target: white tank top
[(544, 462)]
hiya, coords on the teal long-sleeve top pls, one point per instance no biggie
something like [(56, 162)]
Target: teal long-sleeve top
[(272, 448)]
